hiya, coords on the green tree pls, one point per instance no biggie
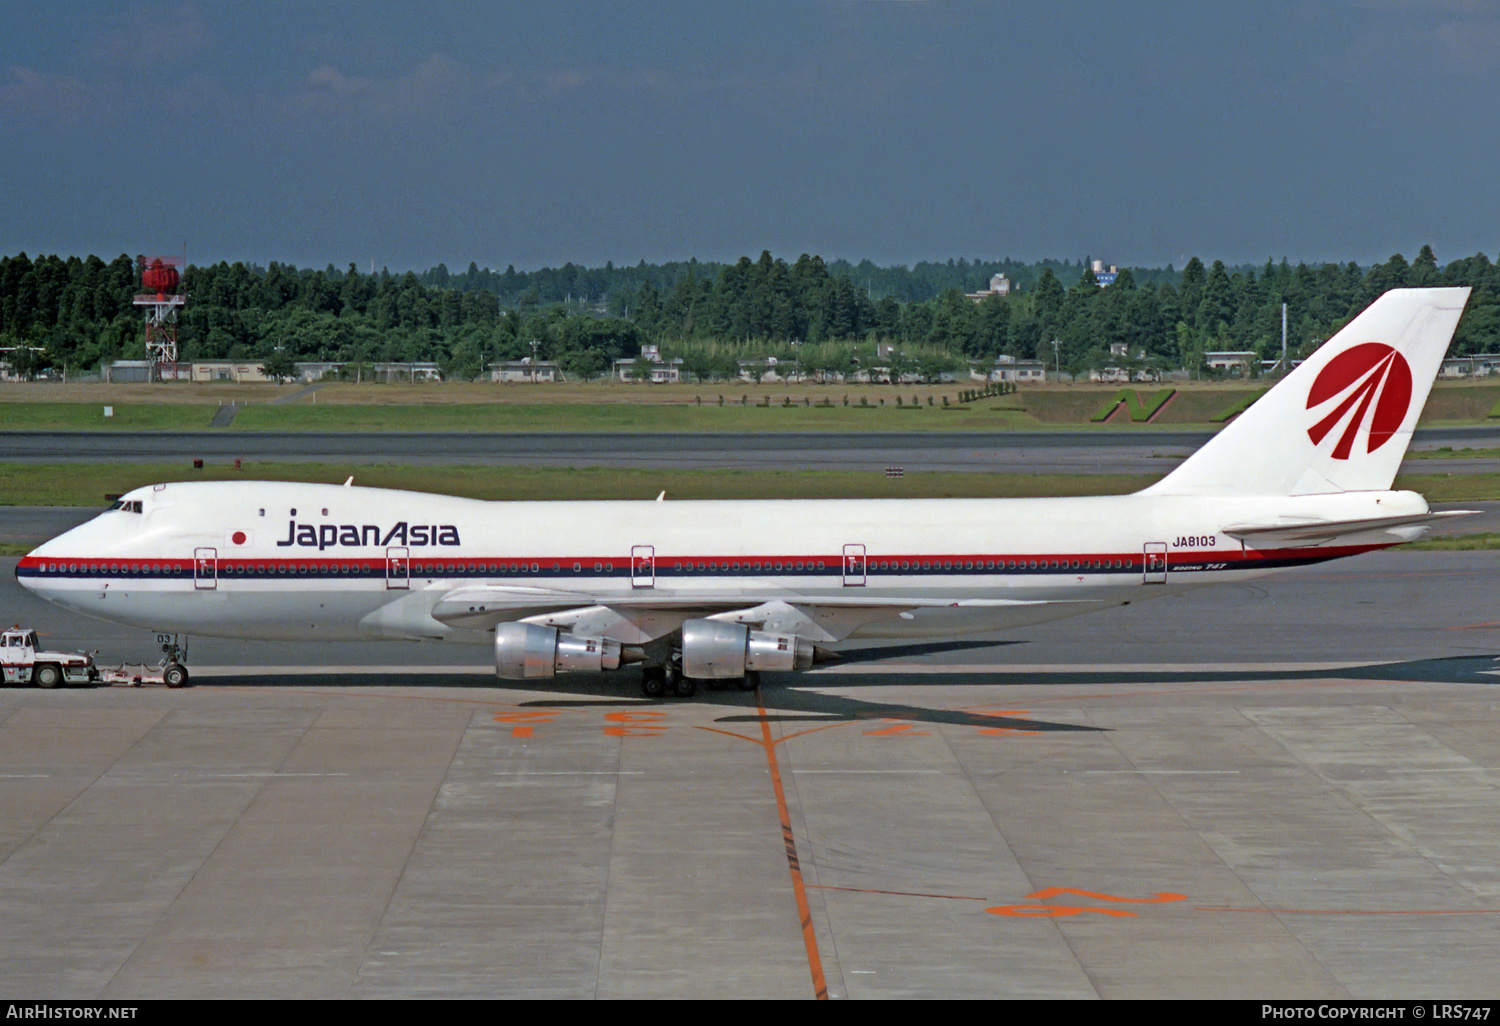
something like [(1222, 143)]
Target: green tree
[(279, 365), (640, 370)]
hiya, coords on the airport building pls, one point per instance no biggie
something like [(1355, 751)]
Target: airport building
[(1234, 363), (999, 286), (525, 369), (1481, 365), (661, 371), (768, 369), (1008, 368)]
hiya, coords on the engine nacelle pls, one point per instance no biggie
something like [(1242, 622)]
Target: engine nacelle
[(524, 651), (715, 650)]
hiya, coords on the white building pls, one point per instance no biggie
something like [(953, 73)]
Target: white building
[(128, 371), (525, 370), (662, 372), (1234, 362), (1479, 366), (999, 286), (1008, 368), (769, 369), (238, 371)]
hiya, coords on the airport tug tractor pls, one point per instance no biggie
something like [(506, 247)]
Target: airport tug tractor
[(22, 663)]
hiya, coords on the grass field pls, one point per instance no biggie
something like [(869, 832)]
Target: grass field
[(1458, 543), (1450, 453), (54, 416), (621, 407)]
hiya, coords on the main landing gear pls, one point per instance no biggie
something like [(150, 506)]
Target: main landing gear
[(668, 681)]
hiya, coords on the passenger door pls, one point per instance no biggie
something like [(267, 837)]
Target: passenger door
[(397, 568), (643, 566), (854, 566), (205, 569), (1156, 563)]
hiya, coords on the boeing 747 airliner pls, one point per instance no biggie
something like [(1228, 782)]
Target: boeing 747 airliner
[(720, 591)]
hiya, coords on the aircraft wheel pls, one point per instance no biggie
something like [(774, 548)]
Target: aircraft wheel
[(686, 687), (750, 681), (654, 681), (47, 676), (175, 675)]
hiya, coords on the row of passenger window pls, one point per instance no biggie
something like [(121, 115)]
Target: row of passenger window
[(483, 568), (110, 569), (1001, 564), (712, 566)]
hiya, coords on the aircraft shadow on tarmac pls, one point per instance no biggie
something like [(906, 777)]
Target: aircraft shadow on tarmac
[(797, 699)]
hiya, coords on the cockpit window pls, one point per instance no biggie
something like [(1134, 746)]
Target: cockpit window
[(133, 506)]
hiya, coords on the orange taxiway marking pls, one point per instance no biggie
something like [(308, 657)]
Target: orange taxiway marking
[(1059, 911), (897, 730), (804, 912)]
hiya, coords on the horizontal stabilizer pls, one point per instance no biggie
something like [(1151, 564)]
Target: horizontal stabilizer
[(1310, 533)]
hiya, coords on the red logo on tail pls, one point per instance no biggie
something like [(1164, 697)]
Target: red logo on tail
[(1371, 372)]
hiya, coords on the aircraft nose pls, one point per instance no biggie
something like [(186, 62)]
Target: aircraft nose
[(28, 565), (31, 569), (26, 569)]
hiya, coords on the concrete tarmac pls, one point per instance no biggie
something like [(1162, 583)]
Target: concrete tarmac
[(1285, 789)]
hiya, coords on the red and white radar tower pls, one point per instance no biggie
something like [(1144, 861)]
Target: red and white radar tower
[(162, 281)]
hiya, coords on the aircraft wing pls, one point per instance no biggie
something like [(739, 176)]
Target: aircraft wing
[(638, 618), (1311, 533)]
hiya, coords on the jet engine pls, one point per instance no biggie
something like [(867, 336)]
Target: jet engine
[(712, 649), (526, 650)]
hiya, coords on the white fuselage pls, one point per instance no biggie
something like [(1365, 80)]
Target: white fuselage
[(266, 560)]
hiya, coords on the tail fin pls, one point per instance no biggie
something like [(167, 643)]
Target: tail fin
[(1341, 421)]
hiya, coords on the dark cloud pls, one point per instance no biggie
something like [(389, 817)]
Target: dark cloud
[(900, 131)]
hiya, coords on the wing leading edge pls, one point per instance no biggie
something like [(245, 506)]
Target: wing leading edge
[(637, 619)]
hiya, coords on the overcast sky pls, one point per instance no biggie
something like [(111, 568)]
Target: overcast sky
[(533, 134)]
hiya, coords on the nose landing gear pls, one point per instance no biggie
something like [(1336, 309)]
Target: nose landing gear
[(174, 672)]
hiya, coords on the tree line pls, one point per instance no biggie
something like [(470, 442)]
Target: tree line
[(74, 313)]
